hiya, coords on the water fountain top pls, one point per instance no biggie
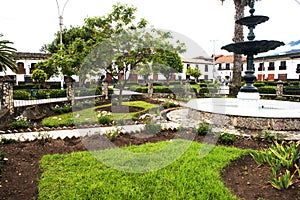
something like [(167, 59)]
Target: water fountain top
[(250, 48)]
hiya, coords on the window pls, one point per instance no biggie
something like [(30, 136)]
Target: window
[(32, 68), (227, 66), (206, 77), (282, 65), (298, 68), (206, 68), (21, 69), (261, 67), (220, 66), (271, 66)]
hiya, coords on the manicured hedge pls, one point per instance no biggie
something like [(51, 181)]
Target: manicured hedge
[(259, 84), (267, 90), (21, 95), (57, 93), (291, 90)]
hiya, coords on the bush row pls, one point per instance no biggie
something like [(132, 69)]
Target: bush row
[(36, 86), (39, 94)]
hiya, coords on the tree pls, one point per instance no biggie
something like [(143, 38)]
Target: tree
[(131, 51), (39, 76), (194, 72), (79, 41), (7, 55), (168, 62), (238, 37)]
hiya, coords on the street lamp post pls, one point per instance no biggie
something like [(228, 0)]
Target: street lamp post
[(60, 16)]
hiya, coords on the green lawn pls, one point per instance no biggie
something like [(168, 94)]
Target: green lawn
[(89, 116), (81, 175)]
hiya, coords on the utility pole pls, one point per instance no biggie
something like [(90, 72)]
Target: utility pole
[(213, 58), (60, 16)]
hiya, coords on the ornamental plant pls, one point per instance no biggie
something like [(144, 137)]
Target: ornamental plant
[(283, 159), (204, 128), (113, 133), (20, 122), (104, 117)]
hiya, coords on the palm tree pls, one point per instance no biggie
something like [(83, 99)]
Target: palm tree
[(238, 37), (7, 56)]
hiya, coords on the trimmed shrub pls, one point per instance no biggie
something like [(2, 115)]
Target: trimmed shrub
[(259, 84), (203, 90), (152, 128), (161, 89), (291, 90), (270, 83), (267, 90), (104, 119), (294, 83), (24, 87), (204, 128), (21, 95), (42, 94), (226, 138), (57, 93)]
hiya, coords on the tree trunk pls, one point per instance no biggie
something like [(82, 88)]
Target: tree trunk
[(237, 60)]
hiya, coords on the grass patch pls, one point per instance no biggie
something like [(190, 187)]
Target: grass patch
[(81, 176), (89, 115)]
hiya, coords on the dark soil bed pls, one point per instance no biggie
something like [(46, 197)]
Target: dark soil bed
[(20, 174)]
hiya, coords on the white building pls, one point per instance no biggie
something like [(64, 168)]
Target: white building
[(272, 67), (26, 65), (278, 67), (205, 65)]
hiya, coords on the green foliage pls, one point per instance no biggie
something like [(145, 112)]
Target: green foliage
[(169, 104), (20, 122), (21, 95), (7, 55), (39, 75), (226, 138), (104, 120), (204, 128), (113, 133), (282, 158), (194, 72), (57, 93), (267, 90), (291, 90), (258, 84), (42, 94), (7, 141), (89, 115), (152, 127), (80, 175), (269, 136), (59, 121), (282, 181), (62, 109)]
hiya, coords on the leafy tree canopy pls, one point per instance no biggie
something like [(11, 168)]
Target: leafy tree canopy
[(7, 55)]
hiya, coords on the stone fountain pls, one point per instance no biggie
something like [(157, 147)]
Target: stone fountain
[(248, 111)]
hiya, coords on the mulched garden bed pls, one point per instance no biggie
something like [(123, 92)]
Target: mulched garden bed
[(20, 175)]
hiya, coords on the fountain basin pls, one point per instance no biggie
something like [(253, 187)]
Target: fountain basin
[(233, 113)]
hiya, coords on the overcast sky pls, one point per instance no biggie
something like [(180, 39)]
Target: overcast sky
[(32, 23)]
